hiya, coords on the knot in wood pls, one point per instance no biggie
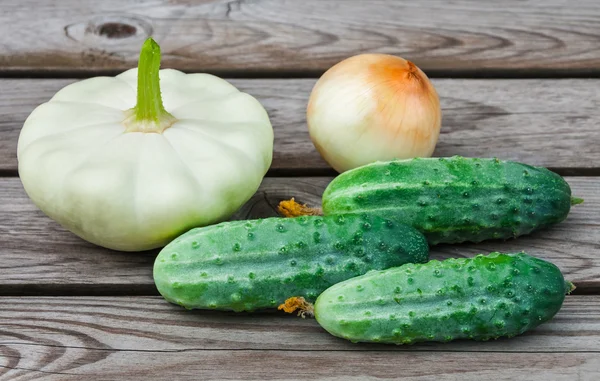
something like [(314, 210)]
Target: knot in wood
[(110, 30), (116, 30)]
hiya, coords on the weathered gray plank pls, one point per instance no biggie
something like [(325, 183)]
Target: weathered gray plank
[(273, 35), (310, 365), (139, 337), (552, 123), (39, 257), (150, 323)]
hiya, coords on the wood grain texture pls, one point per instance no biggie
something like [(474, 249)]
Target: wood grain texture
[(39, 257), (553, 123), (150, 323), (311, 365), (135, 338), (246, 36)]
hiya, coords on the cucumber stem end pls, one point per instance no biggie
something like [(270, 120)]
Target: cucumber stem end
[(576, 201)]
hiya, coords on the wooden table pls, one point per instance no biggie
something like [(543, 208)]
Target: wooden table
[(73, 311)]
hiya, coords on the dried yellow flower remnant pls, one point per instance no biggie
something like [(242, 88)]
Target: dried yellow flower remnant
[(298, 303), (290, 208)]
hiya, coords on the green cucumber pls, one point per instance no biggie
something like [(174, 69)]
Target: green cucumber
[(248, 265), (454, 199), (479, 298)]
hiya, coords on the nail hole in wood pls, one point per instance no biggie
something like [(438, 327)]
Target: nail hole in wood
[(116, 30)]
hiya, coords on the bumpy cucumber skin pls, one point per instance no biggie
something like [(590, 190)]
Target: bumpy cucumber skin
[(454, 199), (479, 298), (249, 265)]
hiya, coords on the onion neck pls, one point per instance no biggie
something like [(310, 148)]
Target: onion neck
[(412, 72), (149, 114)]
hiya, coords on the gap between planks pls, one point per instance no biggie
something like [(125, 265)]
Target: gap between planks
[(478, 73), (118, 289), (474, 350), (330, 172)]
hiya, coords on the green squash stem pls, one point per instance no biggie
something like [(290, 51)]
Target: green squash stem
[(149, 114)]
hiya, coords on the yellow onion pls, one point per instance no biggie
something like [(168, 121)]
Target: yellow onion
[(373, 107)]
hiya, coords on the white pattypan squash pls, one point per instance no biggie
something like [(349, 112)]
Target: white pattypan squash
[(116, 167)]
